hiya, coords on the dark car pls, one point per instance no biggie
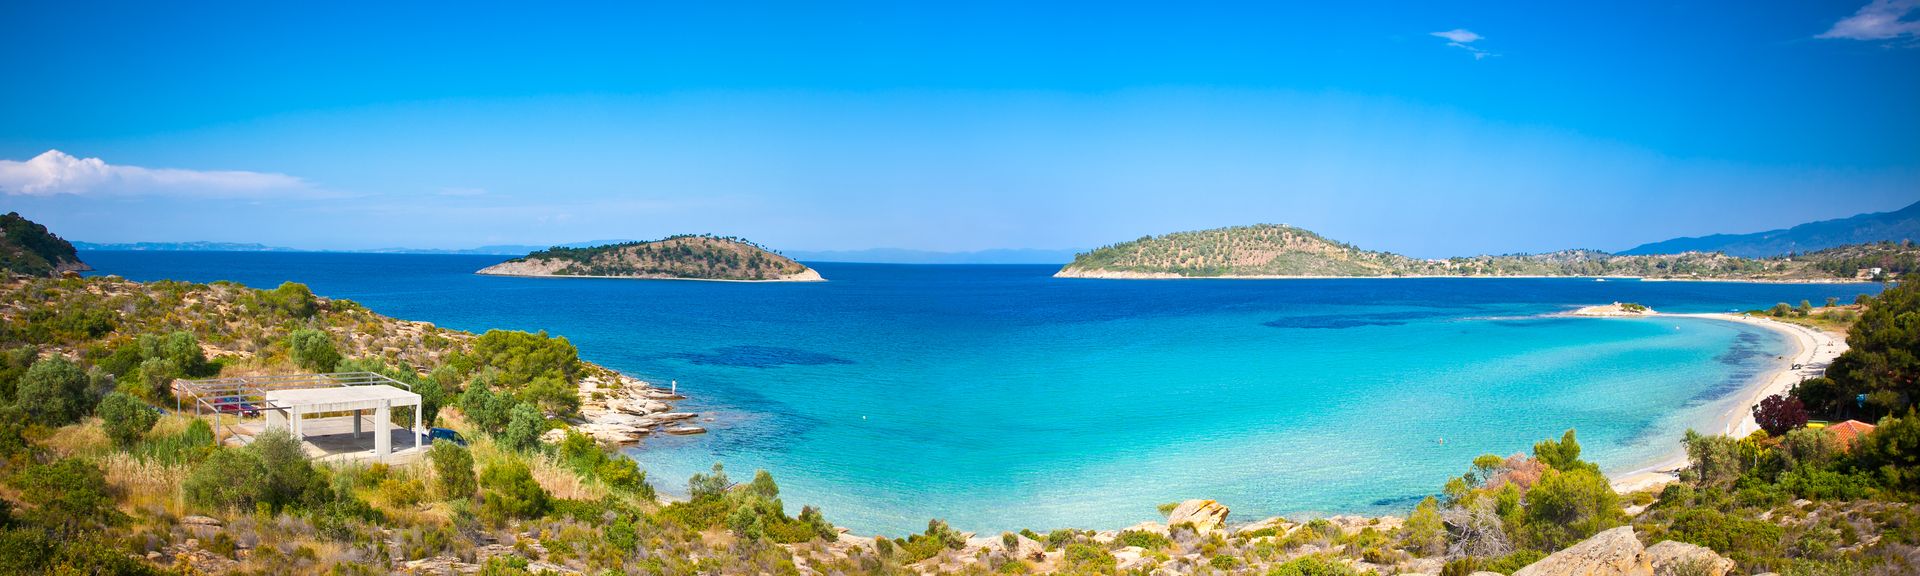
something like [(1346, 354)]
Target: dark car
[(438, 434)]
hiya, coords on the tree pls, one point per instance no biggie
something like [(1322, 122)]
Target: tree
[(313, 350), (523, 428), (1781, 309), (1714, 461), (1893, 452), (1563, 455), (713, 485), (53, 392), (1779, 413), (1832, 301), (1423, 532), (1883, 352), (522, 357), (1567, 507), (125, 418), (273, 472), (452, 469), (1804, 308)]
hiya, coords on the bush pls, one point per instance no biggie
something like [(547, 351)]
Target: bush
[(1892, 452), (1313, 565), (69, 495), (1742, 539), (453, 469), (1567, 507), (313, 350), (1563, 455), (126, 419), (1144, 539), (291, 298), (511, 492), (53, 392), (1087, 559), (272, 472), (1780, 413), (523, 428)]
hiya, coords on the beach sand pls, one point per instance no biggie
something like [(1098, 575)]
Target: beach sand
[(1813, 351)]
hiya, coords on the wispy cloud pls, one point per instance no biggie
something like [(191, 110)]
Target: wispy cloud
[(1463, 39), (459, 191), (1878, 20), (55, 173)]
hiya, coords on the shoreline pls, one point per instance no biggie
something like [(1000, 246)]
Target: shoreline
[(1813, 350), (798, 278), (1120, 275)]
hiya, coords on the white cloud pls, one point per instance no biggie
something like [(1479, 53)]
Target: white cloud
[(1878, 20), (1463, 39), (1460, 35), (54, 173)]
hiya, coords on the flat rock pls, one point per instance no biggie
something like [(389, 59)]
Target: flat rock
[(1613, 552), (1148, 527), (685, 430)]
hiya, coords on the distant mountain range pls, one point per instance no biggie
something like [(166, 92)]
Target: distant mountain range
[(1902, 224)]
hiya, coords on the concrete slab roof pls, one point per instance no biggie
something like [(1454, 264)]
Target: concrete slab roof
[(340, 398)]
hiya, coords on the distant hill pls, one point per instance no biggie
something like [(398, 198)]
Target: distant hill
[(26, 247), (180, 247), (1898, 225), (905, 256), (1269, 250), (686, 257)]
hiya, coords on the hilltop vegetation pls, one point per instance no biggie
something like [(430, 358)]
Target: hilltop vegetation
[(1278, 250), (699, 257), (29, 248)]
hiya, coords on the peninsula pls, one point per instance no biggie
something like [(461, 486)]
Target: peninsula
[(683, 257), (1281, 251)]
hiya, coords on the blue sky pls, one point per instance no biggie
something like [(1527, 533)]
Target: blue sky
[(1430, 128)]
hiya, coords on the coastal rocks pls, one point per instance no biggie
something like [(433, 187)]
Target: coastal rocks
[(1203, 515), (1279, 526), (1614, 552), (1148, 527), (685, 430), (617, 409), (1615, 309), (1354, 524), (1617, 552), (1675, 558)]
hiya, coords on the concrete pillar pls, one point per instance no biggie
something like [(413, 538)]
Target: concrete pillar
[(277, 419), (299, 431), (356, 424), (418, 426), (383, 430)]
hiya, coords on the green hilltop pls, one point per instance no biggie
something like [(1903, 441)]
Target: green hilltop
[(27, 248), (687, 256), (1269, 250)]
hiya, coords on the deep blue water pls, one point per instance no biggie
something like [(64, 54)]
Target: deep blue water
[(997, 397)]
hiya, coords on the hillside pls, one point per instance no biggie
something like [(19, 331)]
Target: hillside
[(686, 257), (1895, 226), (1269, 250), (28, 248)]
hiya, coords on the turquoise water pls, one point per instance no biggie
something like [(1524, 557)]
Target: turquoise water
[(999, 398)]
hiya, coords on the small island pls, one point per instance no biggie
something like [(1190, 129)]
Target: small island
[(683, 257), (1281, 251)]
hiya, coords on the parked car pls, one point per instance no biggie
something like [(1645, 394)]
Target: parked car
[(438, 434), (237, 405)]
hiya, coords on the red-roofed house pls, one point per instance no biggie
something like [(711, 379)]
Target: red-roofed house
[(1849, 432)]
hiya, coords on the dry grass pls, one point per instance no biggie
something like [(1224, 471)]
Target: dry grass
[(561, 482), (146, 485), (78, 440)]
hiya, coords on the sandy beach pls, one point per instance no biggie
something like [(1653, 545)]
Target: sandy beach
[(1813, 350)]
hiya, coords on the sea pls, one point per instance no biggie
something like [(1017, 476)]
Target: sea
[(996, 397)]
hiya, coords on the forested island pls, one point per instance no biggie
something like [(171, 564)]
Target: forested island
[(683, 257), (27, 247), (1278, 251)]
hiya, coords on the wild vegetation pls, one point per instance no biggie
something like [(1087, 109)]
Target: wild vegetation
[(685, 256), (1279, 250)]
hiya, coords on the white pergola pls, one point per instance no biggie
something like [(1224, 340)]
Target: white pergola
[(289, 407), (288, 400)]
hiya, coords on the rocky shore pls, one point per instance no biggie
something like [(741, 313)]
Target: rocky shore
[(620, 409)]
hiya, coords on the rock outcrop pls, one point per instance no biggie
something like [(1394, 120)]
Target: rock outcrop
[(1618, 552), (1204, 515)]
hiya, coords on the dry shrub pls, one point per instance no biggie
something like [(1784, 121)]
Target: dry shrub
[(146, 484), (83, 439)]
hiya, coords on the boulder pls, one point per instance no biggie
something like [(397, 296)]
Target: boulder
[(1204, 515), (1148, 527), (1279, 525), (1613, 552), (1674, 558)]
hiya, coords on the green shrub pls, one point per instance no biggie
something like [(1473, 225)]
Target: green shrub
[(1089, 559), (1313, 565), (452, 469), (1143, 539), (273, 472), (1745, 540), (1564, 508), (510, 492), (524, 427), (125, 419), (69, 495), (1423, 532), (291, 298), (313, 350)]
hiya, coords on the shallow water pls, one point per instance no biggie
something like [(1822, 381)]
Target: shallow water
[(999, 398)]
